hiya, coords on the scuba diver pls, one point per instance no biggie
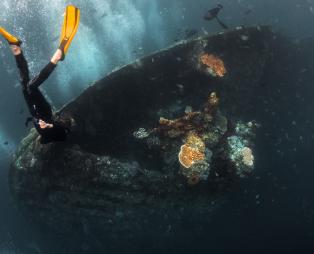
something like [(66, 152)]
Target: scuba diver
[(213, 14), (51, 127)]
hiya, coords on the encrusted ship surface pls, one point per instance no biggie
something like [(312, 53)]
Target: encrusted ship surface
[(155, 143)]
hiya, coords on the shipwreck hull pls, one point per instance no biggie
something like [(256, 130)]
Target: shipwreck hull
[(102, 181), (130, 97)]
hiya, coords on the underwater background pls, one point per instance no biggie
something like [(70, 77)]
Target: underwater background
[(270, 212)]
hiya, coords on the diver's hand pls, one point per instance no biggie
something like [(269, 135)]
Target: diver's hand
[(44, 125)]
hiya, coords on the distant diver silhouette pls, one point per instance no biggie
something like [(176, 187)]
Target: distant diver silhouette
[(51, 127), (213, 14)]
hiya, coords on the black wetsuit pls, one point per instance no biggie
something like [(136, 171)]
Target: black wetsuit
[(37, 103)]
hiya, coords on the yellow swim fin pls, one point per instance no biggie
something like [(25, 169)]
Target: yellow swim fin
[(9, 37), (69, 28)]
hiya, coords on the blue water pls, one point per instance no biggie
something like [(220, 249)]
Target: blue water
[(113, 33)]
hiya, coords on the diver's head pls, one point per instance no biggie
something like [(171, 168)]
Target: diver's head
[(220, 6), (64, 120), (56, 130)]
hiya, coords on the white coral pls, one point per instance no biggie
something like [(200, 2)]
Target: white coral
[(247, 157), (141, 133)]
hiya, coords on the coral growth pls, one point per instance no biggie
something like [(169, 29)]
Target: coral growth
[(194, 128), (194, 141), (140, 133), (189, 155), (240, 154), (247, 157), (199, 171), (214, 65), (191, 121), (200, 137), (180, 126), (213, 99), (192, 158)]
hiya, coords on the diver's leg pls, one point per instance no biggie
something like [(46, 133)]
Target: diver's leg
[(57, 56), (42, 109), (21, 64), (15, 45), (11, 39), (46, 71)]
